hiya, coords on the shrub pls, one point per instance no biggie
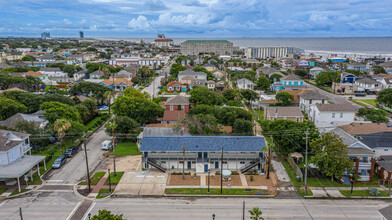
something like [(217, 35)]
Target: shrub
[(373, 191)]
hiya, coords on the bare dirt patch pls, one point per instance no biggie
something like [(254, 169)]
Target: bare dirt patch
[(176, 180), (216, 180), (260, 180)]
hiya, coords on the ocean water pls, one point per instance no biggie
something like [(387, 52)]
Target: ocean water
[(361, 46)]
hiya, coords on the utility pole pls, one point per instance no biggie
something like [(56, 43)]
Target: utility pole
[(269, 160), (183, 163), (114, 155), (20, 213), (389, 192), (221, 174), (306, 162), (243, 210), (85, 153)]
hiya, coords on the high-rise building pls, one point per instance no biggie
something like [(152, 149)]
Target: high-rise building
[(81, 34), (162, 41), (268, 52), (216, 47), (45, 35)]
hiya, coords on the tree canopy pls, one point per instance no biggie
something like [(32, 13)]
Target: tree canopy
[(374, 115), (384, 97), (202, 95), (330, 155), (29, 83), (106, 215), (9, 107), (58, 110), (325, 78), (300, 72), (284, 98), (88, 88), (263, 83), (126, 128)]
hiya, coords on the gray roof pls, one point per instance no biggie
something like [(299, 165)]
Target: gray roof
[(11, 121), (336, 107), (177, 100), (312, 95), (350, 140), (19, 167), (192, 73), (244, 80), (97, 72), (376, 140), (49, 69), (387, 164), (367, 81), (359, 151), (347, 138), (285, 111), (153, 131), (203, 143), (123, 73), (10, 139), (386, 64), (291, 77)]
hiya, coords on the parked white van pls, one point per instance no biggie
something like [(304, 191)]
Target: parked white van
[(107, 145)]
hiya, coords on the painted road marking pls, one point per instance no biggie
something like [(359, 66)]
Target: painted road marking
[(89, 210), (201, 214), (1, 204), (270, 214), (137, 213), (74, 210)]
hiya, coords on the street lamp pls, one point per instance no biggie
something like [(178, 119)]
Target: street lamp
[(183, 162), (213, 216), (89, 215), (110, 186), (352, 182), (208, 180), (221, 174)]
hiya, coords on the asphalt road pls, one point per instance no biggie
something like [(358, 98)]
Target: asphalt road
[(75, 168), (61, 205), (157, 82)]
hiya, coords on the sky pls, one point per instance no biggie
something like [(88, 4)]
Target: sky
[(197, 18)]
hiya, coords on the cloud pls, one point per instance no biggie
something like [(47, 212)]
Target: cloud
[(155, 5), (141, 23), (195, 3)]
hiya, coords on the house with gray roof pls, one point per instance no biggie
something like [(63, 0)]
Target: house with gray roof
[(13, 120), (368, 84), (361, 154), (203, 153), (306, 100), (327, 115), (283, 113), (245, 84), (14, 158), (313, 73)]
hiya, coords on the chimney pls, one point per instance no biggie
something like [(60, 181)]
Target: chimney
[(181, 132)]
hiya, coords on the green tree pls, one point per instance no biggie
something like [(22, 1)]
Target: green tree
[(109, 95), (285, 98), (70, 69), (330, 155), (275, 77), (39, 137), (58, 98), (91, 106), (378, 69), (243, 127), (384, 97), (202, 95), (89, 89), (83, 112), (58, 110), (28, 58), (255, 214), (300, 72), (249, 95), (232, 94), (355, 72), (9, 107), (263, 83), (107, 215), (30, 100), (61, 126), (374, 115), (126, 128), (325, 78)]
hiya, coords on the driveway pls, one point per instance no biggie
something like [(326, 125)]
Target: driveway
[(75, 168)]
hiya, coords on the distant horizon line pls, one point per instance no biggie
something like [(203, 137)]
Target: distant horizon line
[(148, 37)]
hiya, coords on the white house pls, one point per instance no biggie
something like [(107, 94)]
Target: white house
[(313, 73), (368, 84), (53, 72), (245, 84), (306, 100), (324, 115)]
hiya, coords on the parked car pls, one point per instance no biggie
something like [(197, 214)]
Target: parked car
[(360, 94), (71, 151), (107, 145), (59, 162)]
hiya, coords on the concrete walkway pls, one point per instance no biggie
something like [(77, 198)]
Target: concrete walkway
[(243, 180), (281, 173)]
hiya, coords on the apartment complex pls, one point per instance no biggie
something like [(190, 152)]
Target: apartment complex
[(162, 41), (267, 52), (216, 47)]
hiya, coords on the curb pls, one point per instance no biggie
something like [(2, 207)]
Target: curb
[(218, 196)]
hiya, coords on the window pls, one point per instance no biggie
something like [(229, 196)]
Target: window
[(333, 115), (242, 162), (385, 149), (171, 107), (163, 162), (310, 101), (297, 119), (341, 115)]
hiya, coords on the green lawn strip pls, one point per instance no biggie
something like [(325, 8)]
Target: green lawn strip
[(215, 191), (96, 122), (101, 191), (302, 192), (114, 180), (94, 179), (3, 190), (347, 193), (369, 101), (291, 173), (16, 191), (127, 148), (360, 103)]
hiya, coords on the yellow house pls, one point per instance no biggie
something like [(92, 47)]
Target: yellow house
[(218, 74), (210, 67), (210, 85)]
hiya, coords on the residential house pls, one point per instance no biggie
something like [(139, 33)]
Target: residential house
[(309, 99), (296, 94), (368, 84), (385, 81), (97, 74), (161, 131), (13, 120), (120, 84), (53, 72), (348, 77), (209, 67), (291, 81), (218, 74), (302, 64), (326, 115), (14, 161), (203, 153), (176, 108), (36, 74), (313, 73), (19, 64), (375, 135), (174, 86), (245, 84), (220, 86), (361, 154), (283, 113), (357, 66), (387, 66), (3, 65), (210, 84), (47, 58), (124, 74), (80, 75), (200, 77)]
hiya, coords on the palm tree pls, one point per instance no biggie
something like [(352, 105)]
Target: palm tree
[(61, 126), (255, 213), (108, 95), (112, 126)]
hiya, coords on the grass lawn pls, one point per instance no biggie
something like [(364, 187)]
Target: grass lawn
[(360, 103), (215, 191), (362, 193), (302, 192), (96, 122), (369, 101), (16, 191), (3, 190), (94, 179), (127, 148), (100, 196), (114, 180)]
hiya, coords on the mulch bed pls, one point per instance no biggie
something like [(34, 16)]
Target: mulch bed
[(216, 180), (260, 180), (176, 180)]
